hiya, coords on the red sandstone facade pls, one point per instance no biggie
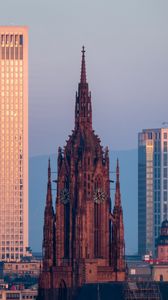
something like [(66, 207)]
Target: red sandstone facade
[(84, 241), (162, 243)]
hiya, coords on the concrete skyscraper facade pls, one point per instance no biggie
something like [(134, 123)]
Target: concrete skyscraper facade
[(152, 186), (13, 142)]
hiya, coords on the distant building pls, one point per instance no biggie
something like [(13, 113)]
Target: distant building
[(160, 268), (22, 268), (137, 269), (13, 142), (152, 186), (162, 243), (18, 294)]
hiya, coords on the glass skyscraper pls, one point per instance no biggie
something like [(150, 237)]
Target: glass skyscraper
[(152, 186), (13, 142)]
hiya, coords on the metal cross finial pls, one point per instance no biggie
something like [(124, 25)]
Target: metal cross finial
[(83, 50)]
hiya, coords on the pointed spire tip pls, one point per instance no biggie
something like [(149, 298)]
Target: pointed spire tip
[(83, 67)]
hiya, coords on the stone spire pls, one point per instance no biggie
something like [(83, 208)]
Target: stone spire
[(49, 227), (117, 192), (83, 67), (83, 107), (49, 193), (118, 243)]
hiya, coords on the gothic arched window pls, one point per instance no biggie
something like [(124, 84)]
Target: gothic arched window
[(65, 200), (97, 216), (62, 292)]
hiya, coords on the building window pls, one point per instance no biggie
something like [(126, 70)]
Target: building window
[(165, 146), (165, 208), (161, 277), (165, 173), (165, 159), (150, 135), (21, 39), (165, 184), (165, 196), (165, 135)]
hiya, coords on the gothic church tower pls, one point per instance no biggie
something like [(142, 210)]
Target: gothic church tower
[(85, 243)]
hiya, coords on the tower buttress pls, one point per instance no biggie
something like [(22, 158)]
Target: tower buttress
[(49, 227)]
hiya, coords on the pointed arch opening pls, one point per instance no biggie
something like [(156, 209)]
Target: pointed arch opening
[(66, 229), (66, 220), (62, 292), (97, 217)]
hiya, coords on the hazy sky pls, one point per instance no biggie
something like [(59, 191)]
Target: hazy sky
[(127, 66)]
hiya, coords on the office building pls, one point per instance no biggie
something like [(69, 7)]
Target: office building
[(152, 187), (20, 294), (13, 142)]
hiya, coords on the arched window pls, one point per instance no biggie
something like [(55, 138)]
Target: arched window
[(161, 277), (66, 221), (65, 200), (62, 292), (97, 216)]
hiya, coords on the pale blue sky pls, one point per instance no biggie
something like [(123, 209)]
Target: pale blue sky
[(127, 66)]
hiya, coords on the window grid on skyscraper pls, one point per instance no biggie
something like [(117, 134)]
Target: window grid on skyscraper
[(152, 186), (14, 142)]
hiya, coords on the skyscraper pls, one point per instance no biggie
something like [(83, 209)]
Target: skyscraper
[(13, 142), (152, 186)]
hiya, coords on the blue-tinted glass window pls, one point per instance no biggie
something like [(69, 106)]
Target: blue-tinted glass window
[(165, 208), (150, 135), (165, 172), (165, 184), (155, 208), (165, 146), (165, 159), (165, 196), (21, 39)]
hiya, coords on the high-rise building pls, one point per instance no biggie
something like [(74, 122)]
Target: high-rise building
[(83, 239), (152, 186), (13, 142)]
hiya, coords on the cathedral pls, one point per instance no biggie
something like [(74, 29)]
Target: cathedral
[(83, 236)]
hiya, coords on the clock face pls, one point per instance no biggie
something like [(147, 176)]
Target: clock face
[(99, 196), (64, 196)]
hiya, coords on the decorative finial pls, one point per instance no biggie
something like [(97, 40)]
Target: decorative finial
[(83, 50)]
